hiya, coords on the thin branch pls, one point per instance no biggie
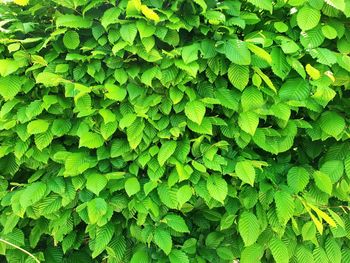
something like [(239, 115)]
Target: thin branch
[(21, 249)]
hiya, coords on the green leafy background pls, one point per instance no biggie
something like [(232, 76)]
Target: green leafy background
[(175, 131)]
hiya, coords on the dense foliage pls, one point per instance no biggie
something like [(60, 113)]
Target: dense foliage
[(175, 131)]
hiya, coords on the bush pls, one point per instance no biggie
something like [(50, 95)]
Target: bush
[(175, 131)]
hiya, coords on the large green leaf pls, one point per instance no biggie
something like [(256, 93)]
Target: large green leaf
[(246, 172), (8, 66), (332, 123), (248, 121), (217, 187), (95, 182), (128, 32), (263, 4), (104, 235), (73, 21), (163, 240), (308, 17), (295, 89), (132, 186), (71, 39), (195, 111), (298, 178), (165, 151), (178, 256), (238, 76), (10, 86), (237, 52), (37, 126), (135, 133), (176, 222), (91, 140), (249, 228), (279, 63), (279, 250), (284, 206)]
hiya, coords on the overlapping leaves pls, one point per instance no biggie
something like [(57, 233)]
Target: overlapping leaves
[(175, 131)]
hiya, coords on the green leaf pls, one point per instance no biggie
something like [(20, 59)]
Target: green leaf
[(203, 5), (303, 254), (214, 239), (227, 98), (246, 172), (248, 121), (332, 123), (128, 32), (163, 240), (333, 250), (96, 182), (308, 231), (252, 99), (284, 206), (43, 140), (238, 76), (260, 52), (145, 29), (177, 256), (104, 235), (323, 182), (8, 66), (295, 89), (329, 32), (324, 56), (166, 150), (195, 111), (338, 4), (71, 39), (184, 194), (320, 255), (32, 194), (132, 186), (96, 208), (167, 195), (176, 222), (110, 16), (312, 38), (308, 17), (141, 254), (115, 92), (298, 178), (49, 79), (37, 126), (135, 133), (252, 253), (10, 86), (91, 140), (266, 79), (237, 52), (263, 4), (279, 63), (190, 53), (119, 147), (149, 13), (217, 187), (249, 228), (279, 250), (225, 253), (226, 221), (73, 21)]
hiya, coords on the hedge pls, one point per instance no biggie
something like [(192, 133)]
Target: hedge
[(175, 131)]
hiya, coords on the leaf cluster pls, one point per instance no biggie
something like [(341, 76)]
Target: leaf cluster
[(175, 131)]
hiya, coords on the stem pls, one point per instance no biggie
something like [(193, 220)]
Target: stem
[(21, 249)]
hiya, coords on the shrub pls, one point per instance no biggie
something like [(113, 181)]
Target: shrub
[(181, 131)]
